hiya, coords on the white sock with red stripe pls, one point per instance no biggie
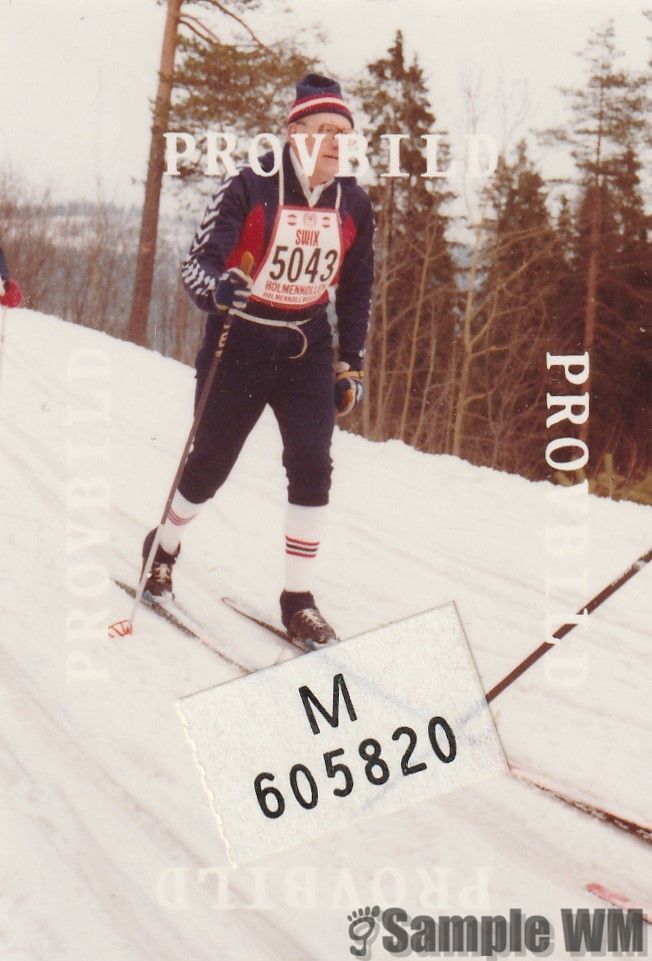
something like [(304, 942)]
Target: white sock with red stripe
[(302, 532), (181, 513)]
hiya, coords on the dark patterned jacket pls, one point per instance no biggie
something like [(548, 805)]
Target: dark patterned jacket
[(240, 218)]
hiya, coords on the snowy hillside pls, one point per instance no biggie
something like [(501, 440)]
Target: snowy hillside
[(109, 848)]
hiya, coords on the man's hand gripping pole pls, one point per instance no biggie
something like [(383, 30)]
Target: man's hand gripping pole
[(126, 626)]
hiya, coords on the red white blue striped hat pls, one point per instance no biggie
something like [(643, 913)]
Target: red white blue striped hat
[(317, 94)]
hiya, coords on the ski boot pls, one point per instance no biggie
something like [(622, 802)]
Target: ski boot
[(303, 621), (159, 580)]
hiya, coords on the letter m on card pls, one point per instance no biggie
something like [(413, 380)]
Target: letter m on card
[(309, 702)]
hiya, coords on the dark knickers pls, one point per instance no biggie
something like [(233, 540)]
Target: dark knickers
[(256, 369)]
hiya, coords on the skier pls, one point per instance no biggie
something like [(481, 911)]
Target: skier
[(307, 231), (10, 292)]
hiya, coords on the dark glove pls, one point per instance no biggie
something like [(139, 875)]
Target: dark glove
[(348, 388), (10, 294), (232, 290)]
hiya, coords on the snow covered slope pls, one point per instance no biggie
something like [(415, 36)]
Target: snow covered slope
[(109, 848)]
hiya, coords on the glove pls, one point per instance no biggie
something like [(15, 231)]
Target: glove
[(348, 388), (10, 294), (232, 290)]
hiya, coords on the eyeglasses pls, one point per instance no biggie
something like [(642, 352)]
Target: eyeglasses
[(328, 130)]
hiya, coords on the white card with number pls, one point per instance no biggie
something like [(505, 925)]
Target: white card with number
[(365, 727)]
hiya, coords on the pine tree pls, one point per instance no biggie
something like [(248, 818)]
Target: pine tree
[(609, 124), (243, 88), (518, 307), (137, 330), (201, 78), (412, 315), (623, 347)]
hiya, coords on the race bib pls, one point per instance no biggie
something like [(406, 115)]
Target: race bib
[(302, 260)]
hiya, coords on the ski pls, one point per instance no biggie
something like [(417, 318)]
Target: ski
[(250, 615), (167, 615), (245, 610), (618, 900), (640, 831)]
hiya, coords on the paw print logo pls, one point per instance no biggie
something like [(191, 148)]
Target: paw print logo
[(362, 926)]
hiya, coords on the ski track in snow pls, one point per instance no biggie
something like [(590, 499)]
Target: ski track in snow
[(101, 802)]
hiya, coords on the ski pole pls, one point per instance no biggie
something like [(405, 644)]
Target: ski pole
[(122, 628), (565, 629)]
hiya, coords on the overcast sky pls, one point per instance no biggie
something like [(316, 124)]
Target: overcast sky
[(76, 76)]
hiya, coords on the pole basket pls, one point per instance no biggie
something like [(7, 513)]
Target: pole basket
[(121, 629)]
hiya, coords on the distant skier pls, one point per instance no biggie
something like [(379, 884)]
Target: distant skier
[(306, 233), (10, 292)]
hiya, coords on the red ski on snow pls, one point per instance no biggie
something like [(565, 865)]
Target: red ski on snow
[(618, 900)]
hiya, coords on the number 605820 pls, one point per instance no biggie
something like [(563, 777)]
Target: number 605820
[(376, 769)]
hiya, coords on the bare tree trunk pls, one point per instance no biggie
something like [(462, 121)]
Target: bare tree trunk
[(592, 280), (366, 397), (181, 311), (451, 390), (137, 331), (416, 328), (381, 365), (463, 384), (425, 396)]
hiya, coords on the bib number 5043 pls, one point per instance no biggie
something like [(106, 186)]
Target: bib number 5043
[(317, 265), (376, 769)]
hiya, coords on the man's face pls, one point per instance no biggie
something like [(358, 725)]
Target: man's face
[(329, 125)]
